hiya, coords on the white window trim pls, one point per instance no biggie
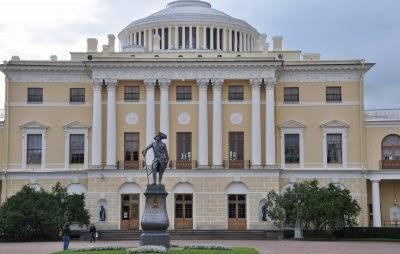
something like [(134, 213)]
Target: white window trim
[(33, 128), (76, 128), (300, 132), (334, 130)]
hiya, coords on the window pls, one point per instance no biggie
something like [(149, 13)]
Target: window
[(291, 94), (236, 146), (34, 149), (35, 95), (76, 148), (131, 146), (184, 144), (334, 94), (292, 148), (391, 147), (183, 93), (235, 93), (334, 146), (132, 93), (77, 95)]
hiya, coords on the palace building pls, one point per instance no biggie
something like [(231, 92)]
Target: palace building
[(243, 117)]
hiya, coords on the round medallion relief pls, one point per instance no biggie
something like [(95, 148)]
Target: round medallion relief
[(236, 118), (184, 118), (131, 118)]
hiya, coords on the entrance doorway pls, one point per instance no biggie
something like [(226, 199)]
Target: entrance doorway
[(237, 212), (130, 211), (183, 211)]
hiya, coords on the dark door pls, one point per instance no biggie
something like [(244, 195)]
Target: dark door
[(184, 150), (184, 211), (131, 150), (236, 150), (130, 211), (237, 212)]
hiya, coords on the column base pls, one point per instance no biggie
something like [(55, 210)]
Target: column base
[(203, 167), (111, 167), (256, 167), (96, 167), (270, 167), (217, 167)]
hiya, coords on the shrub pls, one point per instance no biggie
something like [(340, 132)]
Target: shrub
[(100, 248), (207, 247), (147, 249)]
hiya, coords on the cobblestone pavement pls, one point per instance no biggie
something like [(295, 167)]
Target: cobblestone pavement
[(264, 247)]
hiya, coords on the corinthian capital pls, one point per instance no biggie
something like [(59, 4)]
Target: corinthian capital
[(217, 83), (203, 83), (270, 83), (97, 83), (164, 84), (111, 82), (150, 83), (256, 82)]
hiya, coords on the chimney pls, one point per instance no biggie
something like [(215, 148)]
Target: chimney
[(106, 49), (53, 58), (92, 45), (111, 42), (311, 56), (277, 42), (15, 58)]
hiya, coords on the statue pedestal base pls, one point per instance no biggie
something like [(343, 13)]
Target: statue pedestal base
[(155, 217)]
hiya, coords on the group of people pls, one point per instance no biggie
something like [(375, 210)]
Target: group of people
[(65, 233)]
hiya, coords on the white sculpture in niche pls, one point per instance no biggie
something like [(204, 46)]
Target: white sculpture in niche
[(131, 118), (236, 118), (184, 118)]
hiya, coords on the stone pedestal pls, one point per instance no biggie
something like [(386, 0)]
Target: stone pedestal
[(155, 220)]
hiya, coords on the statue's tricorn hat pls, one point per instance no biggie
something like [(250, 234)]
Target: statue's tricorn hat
[(161, 135)]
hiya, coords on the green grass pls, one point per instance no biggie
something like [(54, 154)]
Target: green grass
[(234, 251)]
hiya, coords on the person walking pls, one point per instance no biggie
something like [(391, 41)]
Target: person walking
[(93, 233), (66, 233)]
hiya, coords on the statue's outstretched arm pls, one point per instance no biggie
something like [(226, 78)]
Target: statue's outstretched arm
[(144, 152)]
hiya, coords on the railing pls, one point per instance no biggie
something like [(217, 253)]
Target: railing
[(183, 164), (391, 224), (390, 164), (131, 165)]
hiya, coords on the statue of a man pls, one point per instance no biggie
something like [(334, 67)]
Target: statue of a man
[(264, 212), (161, 157), (102, 213)]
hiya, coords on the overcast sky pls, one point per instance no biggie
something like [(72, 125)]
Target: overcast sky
[(339, 29)]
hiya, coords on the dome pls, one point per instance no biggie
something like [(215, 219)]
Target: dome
[(211, 28)]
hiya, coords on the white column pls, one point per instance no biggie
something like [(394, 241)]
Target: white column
[(151, 40), (162, 38), (240, 41), (270, 121), (255, 123), (176, 37), (145, 39), (169, 37), (183, 38), (203, 123), (140, 38), (150, 117), (376, 204), (230, 40), (204, 37), (218, 40), (111, 124), (190, 37), (197, 37), (164, 108), (211, 38), (245, 42), (134, 38), (96, 123), (224, 39), (235, 41), (217, 122)]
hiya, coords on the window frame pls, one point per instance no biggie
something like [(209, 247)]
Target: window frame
[(76, 128), (80, 96), (292, 158), (28, 157), (292, 127), (339, 156), (183, 96), (135, 95), (78, 159), (181, 139), (135, 139), (235, 95), (334, 127), (234, 140), (333, 97), (30, 97), (291, 98)]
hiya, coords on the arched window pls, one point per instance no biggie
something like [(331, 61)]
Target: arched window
[(391, 147)]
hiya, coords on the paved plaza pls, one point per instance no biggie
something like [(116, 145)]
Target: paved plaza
[(264, 247)]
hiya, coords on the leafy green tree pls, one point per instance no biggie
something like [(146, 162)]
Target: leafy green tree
[(36, 215), (328, 208)]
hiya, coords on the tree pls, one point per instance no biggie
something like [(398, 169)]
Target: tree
[(36, 215), (322, 208)]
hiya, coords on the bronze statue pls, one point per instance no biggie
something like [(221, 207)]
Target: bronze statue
[(102, 214), (264, 212), (161, 157)]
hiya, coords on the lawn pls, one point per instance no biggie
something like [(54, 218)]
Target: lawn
[(172, 251)]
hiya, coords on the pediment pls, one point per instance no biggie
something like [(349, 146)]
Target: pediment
[(335, 124), (292, 124), (34, 125), (76, 125)]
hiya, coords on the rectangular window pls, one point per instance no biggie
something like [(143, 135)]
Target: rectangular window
[(132, 93), (77, 95), (235, 93), (334, 147), (292, 149), (208, 38), (184, 145), (34, 149), (334, 94), (236, 146), (76, 148), (131, 143), (180, 37), (194, 37), (291, 94), (187, 37), (35, 95), (183, 93)]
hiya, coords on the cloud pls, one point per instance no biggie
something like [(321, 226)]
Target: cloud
[(339, 29)]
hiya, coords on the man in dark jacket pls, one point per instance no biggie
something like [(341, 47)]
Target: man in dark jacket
[(66, 233), (92, 232)]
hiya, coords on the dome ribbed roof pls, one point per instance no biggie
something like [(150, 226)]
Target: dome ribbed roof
[(186, 11)]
